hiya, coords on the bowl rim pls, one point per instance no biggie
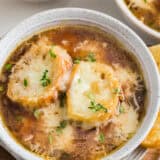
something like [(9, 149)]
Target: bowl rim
[(85, 14), (126, 12)]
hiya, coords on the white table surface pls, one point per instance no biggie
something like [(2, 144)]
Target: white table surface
[(14, 11)]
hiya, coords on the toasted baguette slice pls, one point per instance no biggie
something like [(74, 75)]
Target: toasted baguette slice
[(39, 75), (153, 138), (91, 96)]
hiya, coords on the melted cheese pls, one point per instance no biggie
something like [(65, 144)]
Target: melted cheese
[(32, 67), (51, 116), (127, 121), (126, 78), (49, 120), (142, 4), (92, 82), (64, 141)]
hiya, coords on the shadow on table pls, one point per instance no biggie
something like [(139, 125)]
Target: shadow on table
[(4, 155)]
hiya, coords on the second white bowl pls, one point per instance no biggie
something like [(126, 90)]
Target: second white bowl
[(150, 35)]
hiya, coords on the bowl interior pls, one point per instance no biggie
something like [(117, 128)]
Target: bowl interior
[(128, 38)]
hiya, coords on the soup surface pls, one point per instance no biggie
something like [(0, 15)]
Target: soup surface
[(147, 11), (72, 93)]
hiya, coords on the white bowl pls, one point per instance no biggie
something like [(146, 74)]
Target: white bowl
[(125, 35), (150, 35)]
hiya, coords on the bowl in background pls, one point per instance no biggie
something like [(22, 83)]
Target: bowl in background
[(150, 35)]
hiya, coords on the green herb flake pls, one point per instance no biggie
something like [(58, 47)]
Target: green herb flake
[(59, 130), (62, 125), (90, 57), (52, 53), (121, 109), (25, 82), (50, 138), (37, 113), (95, 107), (62, 98), (145, 1), (8, 67), (101, 138), (76, 60), (117, 91), (45, 81), (1, 88), (79, 80)]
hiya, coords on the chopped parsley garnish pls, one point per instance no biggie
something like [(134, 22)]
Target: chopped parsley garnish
[(90, 57), (8, 67), (121, 109), (117, 91), (61, 126), (95, 107), (62, 98), (101, 138), (50, 138), (52, 53), (76, 60), (145, 1), (79, 80), (37, 113), (45, 81), (1, 88), (90, 96), (25, 82)]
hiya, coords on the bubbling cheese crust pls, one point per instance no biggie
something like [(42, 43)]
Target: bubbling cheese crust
[(42, 63), (93, 93), (142, 4)]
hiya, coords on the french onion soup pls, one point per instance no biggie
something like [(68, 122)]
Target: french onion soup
[(72, 93), (147, 11)]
